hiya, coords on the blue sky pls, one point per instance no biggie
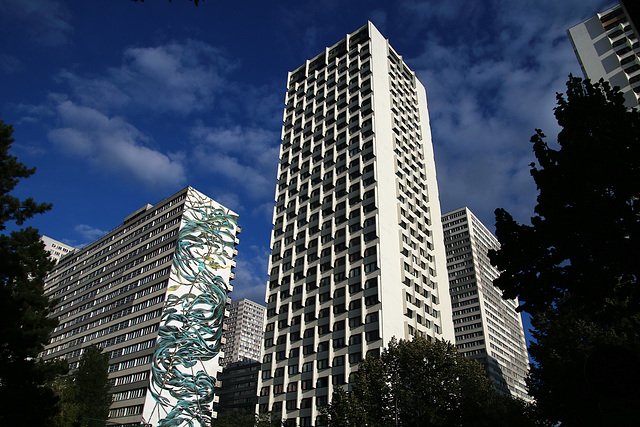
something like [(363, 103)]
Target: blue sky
[(122, 103)]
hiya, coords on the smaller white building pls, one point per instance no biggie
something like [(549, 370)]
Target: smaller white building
[(243, 333), (55, 248), (487, 328), (607, 47)]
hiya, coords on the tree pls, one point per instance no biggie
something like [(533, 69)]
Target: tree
[(85, 394), (235, 419), (422, 383), (575, 267), (92, 388), (24, 325)]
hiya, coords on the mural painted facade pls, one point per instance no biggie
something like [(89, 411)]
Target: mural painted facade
[(185, 361)]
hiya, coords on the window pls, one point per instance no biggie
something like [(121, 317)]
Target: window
[(307, 367), (355, 357), (322, 382), (355, 339), (323, 364)]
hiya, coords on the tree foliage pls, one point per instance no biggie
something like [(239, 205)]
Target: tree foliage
[(24, 325), (575, 267), (92, 389), (422, 383), (85, 394)]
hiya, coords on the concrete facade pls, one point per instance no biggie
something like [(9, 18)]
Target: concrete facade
[(55, 248), (152, 294), (487, 328), (607, 47), (244, 331), (357, 253)]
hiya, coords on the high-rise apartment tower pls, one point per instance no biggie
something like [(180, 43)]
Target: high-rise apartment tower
[(357, 253), (56, 249), (488, 329), (607, 47), (244, 331), (152, 294)]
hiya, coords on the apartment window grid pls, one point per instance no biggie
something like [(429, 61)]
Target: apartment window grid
[(413, 215), (111, 294), (486, 326), (624, 42), (325, 239), (324, 267), (243, 338)]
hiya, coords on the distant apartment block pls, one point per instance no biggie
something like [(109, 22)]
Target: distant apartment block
[(238, 388), (152, 295), (244, 332), (56, 249), (607, 47), (357, 253), (487, 328)]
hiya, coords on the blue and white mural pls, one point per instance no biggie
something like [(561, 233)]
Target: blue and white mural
[(185, 362)]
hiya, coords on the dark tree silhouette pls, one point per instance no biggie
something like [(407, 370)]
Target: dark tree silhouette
[(422, 383), (576, 266), (25, 399)]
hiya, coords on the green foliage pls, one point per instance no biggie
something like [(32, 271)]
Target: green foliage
[(422, 383), (85, 394), (575, 267), (91, 383), (24, 325), (235, 419)]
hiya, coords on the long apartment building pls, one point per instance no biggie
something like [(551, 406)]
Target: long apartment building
[(607, 48), (244, 332), (151, 293), (357, 252), (487, 328)]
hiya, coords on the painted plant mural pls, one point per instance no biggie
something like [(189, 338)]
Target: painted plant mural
[(183, 371)]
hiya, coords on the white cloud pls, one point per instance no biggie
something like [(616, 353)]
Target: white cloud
[(89, 233), (488, 87), (177, 77), (47, 21), (251, 273), (246, 157), (115, 146)]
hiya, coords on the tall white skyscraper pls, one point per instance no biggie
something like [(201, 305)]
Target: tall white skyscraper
[(607, 47), (244, 331), (357, 253), (151, 293), (487, 328)]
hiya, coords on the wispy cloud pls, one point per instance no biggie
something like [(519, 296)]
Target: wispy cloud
[(46, 21), (177, 77), (488, 88), (89, 233), (115, 146), (251, 273), (246, 157)]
